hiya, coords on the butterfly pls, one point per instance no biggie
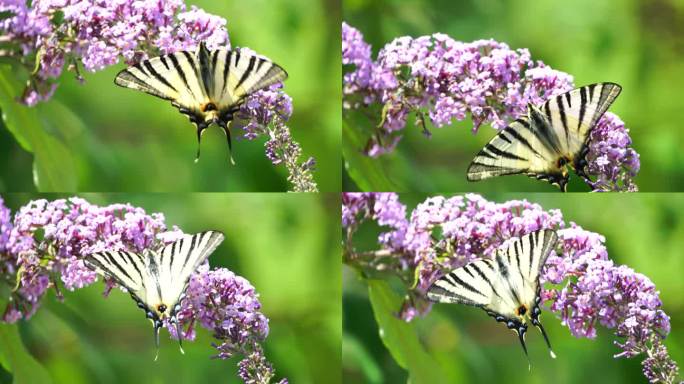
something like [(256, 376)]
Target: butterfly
[(506, 287), (548, 138), (157, 279), (207, 86)]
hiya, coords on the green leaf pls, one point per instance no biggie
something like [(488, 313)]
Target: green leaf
[(12, 114), (400, 337), (53, 166), (354, 354), (61, 120), (24, 368), (366, 172)]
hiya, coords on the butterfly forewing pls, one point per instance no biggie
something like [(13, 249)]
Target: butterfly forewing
[(573, 114), (244, 73), (125, 268), (516, 149), (172, 77), (181, 259)]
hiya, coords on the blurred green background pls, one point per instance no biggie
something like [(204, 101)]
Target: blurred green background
[(116, 139), (287, 246), (637, 44), (470, 347)]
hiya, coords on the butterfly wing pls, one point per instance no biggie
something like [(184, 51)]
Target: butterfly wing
[(173, 77), (238, 73), (506, 287), (518, 148), (574, 114), (129, 270), (126, 268), (541, 143), (179, 260), (157, 280)]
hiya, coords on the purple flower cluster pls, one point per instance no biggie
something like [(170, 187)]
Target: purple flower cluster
[(451, 80), (96, 34), (266, 113), (445, 233), (47, 240), (227, 304), (255, 369), (610, 156), (5, 225)]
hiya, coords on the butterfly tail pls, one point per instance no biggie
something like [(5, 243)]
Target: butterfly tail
[(200, 130), (521, 335), (226, 130), (179, 332), (535, 320), (157, 325), (535, 317)]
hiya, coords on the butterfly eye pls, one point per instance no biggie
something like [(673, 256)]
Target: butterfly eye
[(161, 308)]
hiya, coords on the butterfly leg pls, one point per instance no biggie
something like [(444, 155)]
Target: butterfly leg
[(536, 313), (157, 326)]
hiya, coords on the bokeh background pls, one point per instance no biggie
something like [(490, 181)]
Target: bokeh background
[(644, 231), (287, 246), (118, 139), (636, 43)]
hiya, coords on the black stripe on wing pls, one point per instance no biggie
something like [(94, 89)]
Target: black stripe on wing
[(125, 268), (247, 72), (187, 253), (541, 127), (128, 79), (205, 69), (497, 157), (157, 75)]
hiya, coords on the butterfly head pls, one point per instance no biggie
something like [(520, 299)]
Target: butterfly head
[(161, 310)]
